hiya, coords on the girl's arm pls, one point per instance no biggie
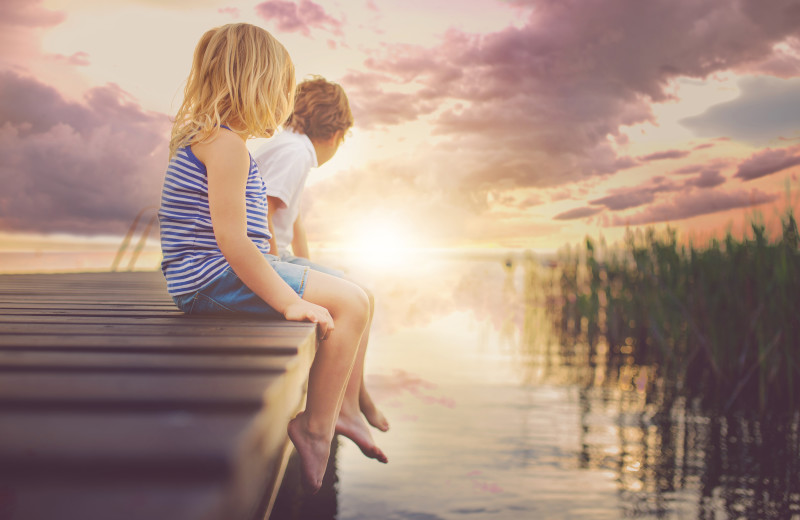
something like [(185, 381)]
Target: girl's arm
[(228, 164), (272, 207)]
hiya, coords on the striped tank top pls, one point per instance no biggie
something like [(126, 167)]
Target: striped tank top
[(191, 256)]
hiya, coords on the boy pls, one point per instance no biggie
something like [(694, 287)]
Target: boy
[(311, 138)]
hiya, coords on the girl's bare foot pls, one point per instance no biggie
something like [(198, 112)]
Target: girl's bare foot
[(374, 416), (313, 449), (352, 426)]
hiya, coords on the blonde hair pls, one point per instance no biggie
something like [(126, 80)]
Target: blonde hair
[(320, 109), (240, 73)]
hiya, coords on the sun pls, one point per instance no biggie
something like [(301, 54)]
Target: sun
[(381, 242)]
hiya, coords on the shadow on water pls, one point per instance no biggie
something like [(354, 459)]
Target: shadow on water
[(294, 503)]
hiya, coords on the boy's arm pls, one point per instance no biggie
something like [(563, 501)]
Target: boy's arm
[(228, 163), (299, 241)]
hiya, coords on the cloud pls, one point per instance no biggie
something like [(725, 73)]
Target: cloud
[(577, 213), (631, 197), (28, 13), (693, 204), (767, 162), (76, 167), (541, 103), (79, 59), (714, 164), (707, 179), (768, 108), (667, 154), (231, 11), (299, 17)]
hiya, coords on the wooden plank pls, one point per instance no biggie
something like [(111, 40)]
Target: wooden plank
[(172, 321), (124, 444), (92, 312), (154, 390), (89, 326), (27, 361), (107, 499), (87, 305), (143, 342)]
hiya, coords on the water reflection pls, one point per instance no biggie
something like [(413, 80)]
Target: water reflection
[(498, 413)]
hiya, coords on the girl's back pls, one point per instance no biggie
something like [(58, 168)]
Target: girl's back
[(192, 256)]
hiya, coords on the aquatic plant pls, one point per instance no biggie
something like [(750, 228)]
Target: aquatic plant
[(718, 322)]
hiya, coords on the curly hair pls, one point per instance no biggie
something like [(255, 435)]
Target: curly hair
[(241, 73), (320, 109)]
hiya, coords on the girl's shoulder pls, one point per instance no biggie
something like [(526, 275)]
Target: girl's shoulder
[(225, 146)]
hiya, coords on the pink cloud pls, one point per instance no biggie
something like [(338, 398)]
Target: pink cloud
[(693, 204), (577, 213), (232, 11), (79, 59), (299, 17), (28, 13), (76, 167), (767, 162), (707, 179), (552, 93), (667, 154)]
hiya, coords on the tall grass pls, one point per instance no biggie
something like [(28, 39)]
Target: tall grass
[(720, 323)]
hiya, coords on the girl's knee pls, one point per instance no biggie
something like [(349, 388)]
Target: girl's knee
[(358, 303)]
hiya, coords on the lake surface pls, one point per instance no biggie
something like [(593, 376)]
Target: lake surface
[(492, 418)]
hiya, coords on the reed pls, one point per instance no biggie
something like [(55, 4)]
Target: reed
[(719, 323)]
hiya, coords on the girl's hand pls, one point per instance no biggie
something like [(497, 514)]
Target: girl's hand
[(307, 311)]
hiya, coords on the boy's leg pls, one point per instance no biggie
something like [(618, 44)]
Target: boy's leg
[(312, 430), (357, 394)]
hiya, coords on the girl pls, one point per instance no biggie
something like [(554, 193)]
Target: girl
[(215, 236)]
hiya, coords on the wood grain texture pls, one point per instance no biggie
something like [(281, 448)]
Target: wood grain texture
[(113, 404)]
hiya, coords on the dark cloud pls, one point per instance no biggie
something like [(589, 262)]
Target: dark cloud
[(299, 17), (550, 94), (707, 179), (693, 204), (72, 167), (768, 108), (577, 213), (713, 165), (667, 154), (626, 198), (767, 162)]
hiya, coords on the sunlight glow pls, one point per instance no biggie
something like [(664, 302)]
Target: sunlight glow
[(381, 242)]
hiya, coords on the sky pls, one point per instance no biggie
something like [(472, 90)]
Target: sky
[(478, 123)]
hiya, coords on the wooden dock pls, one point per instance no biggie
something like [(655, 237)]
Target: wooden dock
[(115, 405)]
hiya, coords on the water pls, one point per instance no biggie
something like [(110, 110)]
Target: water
[(492, 418)]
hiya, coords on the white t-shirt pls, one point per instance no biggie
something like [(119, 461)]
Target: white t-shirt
[(284, 162)]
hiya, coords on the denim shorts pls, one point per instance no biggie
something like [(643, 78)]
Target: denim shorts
[(227, 294), (298, 260)]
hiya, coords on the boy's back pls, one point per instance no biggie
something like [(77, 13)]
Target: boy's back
[(284, 162)]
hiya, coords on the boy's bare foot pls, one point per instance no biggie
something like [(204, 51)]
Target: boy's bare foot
[(375, 417), (314, 451), (352, 427)]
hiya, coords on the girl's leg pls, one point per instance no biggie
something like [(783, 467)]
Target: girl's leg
[(312, 430)]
